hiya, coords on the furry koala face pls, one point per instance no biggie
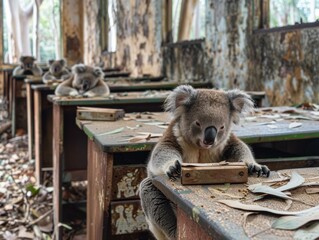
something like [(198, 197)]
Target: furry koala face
[(56, 67), (27, 62), (205, 116), (85, 77)]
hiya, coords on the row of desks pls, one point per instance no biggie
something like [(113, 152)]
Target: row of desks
[(107, 159), (112, 157)]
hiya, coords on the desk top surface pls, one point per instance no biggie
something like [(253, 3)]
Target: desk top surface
[(200, 203), (122, 86), (131, 133), (114, 98)]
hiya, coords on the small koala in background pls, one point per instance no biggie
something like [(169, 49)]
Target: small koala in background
[(57, 71), (85, 81), (200, 132), (27, 67)]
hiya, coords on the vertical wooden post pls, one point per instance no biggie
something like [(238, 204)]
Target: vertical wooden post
[(99, 192), (38, 135), (57, 167), (30, 120), (13, 113)]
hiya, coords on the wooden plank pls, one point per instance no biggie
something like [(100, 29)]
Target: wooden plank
[(187, 228), (99, 114), (57, 168), (100, 168), (214, 173), (37, 135), (30, 121), (13, 113)]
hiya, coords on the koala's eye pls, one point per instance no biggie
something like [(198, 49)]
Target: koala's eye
[(197, 123), (222, 127)]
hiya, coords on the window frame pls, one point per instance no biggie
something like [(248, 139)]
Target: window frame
[(263, 26)]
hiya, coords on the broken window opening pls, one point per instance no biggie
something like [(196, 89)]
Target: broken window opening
[(108, 11), (188, 20), (31, 27)]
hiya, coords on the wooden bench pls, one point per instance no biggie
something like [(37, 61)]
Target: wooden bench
[(109, 152), (201, 216)]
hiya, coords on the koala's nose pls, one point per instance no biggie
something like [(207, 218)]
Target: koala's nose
[(85, 86), (210, 135)]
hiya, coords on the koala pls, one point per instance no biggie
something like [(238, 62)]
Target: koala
[(57, 71), (85, 81), (27, 67), (199, 132)]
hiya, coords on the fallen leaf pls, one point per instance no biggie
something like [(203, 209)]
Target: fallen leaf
[(268, 191), (295, 181), (257, 208), (23, 233), (9, 236), (118, 130), (289, 203), (309, 233), (295, 124), (294, 222), (312, 190)]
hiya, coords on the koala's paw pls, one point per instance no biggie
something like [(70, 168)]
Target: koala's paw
[(74, 93), (88, 94), (174, 171), (259, 169)]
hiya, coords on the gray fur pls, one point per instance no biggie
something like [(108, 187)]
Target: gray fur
[(27, 67), (86, 81), (194, 111), (57, 71)]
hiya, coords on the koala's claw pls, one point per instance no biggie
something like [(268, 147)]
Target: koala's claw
[(259, 169), (174, 171)]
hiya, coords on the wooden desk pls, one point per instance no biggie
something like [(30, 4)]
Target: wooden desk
[(70, 144), (43, 127), (106, 152), (200, 216), (30, 112)]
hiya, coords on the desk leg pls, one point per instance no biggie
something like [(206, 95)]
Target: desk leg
[(13, 113), (30, 120), (57, 167), (37, 135), (99, 192), (188, 228)]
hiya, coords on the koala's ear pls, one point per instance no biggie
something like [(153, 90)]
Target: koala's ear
[(241, 103), (62, 62), (79, 68), (50, 62), (181, 96), (98, 72), (22, 58)]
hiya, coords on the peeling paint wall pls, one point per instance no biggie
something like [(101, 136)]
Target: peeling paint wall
[(72, 30), (226, 42), (289, 65), (92, 49), (284, 64), (185, 62), (139, 37)]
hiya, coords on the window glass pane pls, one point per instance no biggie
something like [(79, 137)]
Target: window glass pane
[(288, 12)]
